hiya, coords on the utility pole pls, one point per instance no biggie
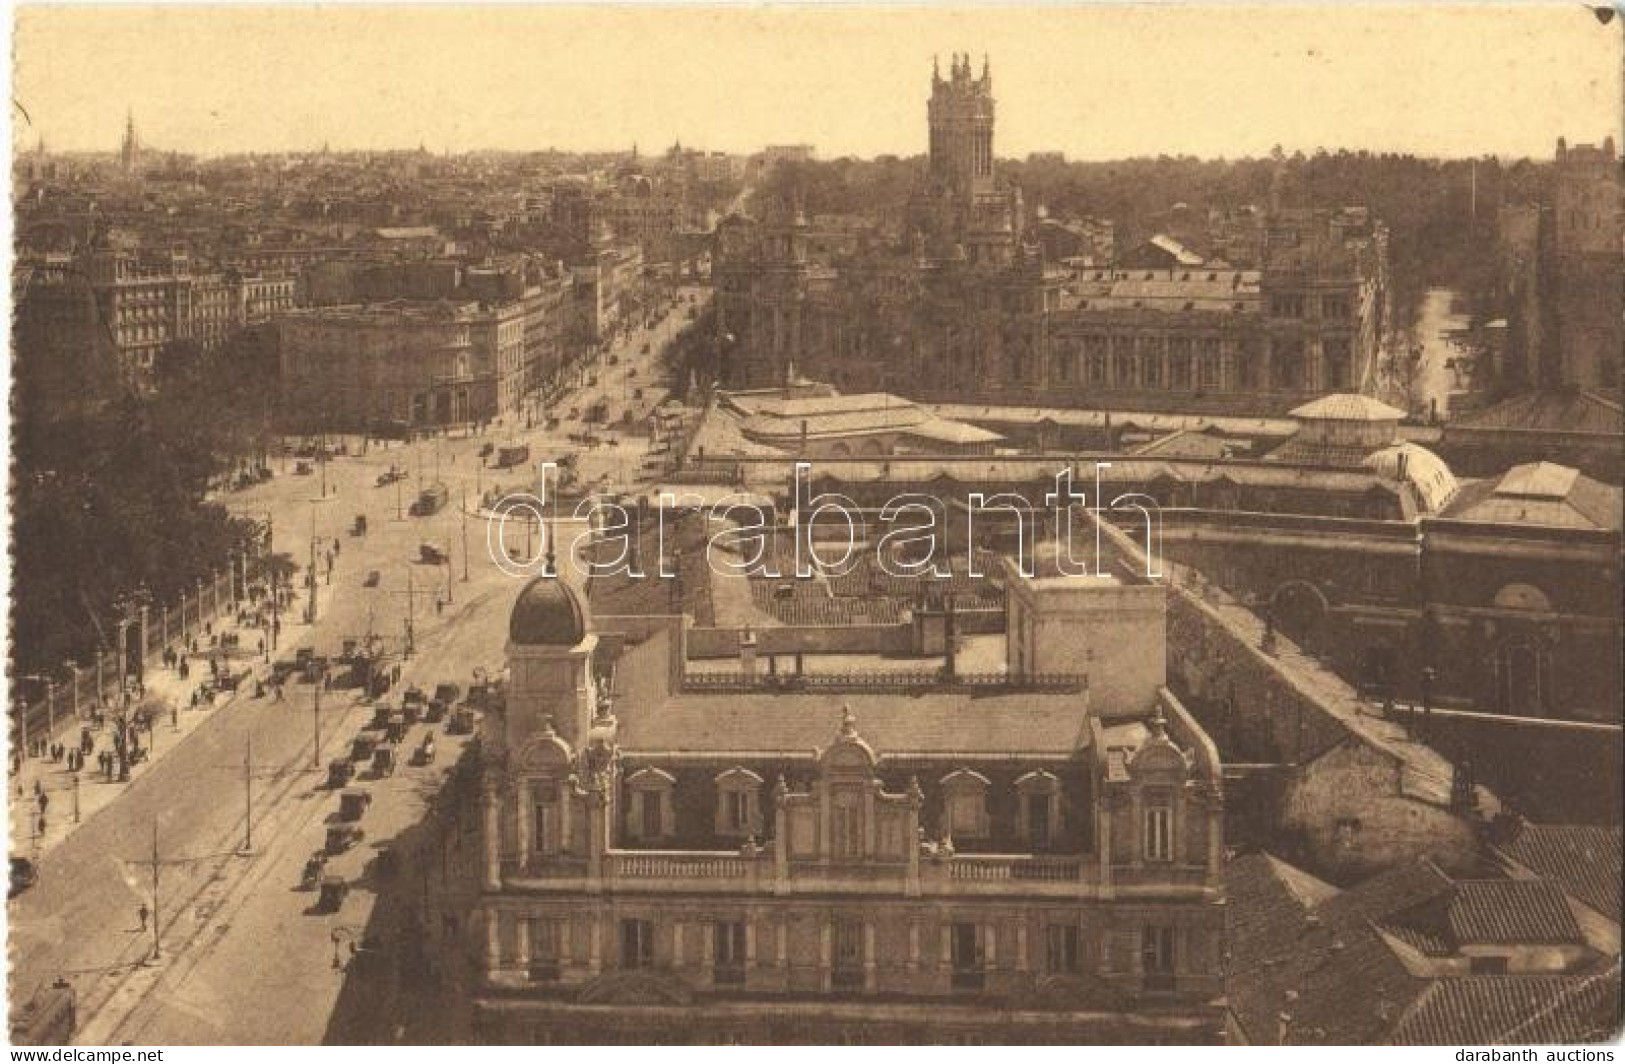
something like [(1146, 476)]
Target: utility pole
[(310, 610), (157, 941), (248, 795), (316, 719), (399, 513), (411, 597), (465, 537)]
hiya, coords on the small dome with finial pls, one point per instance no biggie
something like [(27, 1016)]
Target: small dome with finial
[(548, 612)]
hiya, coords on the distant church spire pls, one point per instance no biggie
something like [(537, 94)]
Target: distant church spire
[(130, 150)]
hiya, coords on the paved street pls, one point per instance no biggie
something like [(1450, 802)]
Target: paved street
[(217, 908), (1425, 385)]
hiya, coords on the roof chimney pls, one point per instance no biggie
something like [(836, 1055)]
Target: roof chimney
[(747, 654)]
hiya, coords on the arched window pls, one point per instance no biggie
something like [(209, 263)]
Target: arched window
[(1040, 808), (738, 804), (964, 804), (650, 815)]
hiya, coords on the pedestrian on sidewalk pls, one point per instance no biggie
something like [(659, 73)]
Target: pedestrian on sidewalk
[(141, 914)]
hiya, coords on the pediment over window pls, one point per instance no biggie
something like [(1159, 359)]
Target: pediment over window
[(965, 779), (738, 777), (546, 753), (651, 779), (1039, 782)]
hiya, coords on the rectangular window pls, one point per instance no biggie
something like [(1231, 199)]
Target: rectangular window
[(649, 814), (546, 948), (965, 813), (637, 944), (1061, 949), (1157, 957), (967, 957), (728, 953), (549, 837), (736, 818), (848, 831), (1038, 820), (846, 962), (1159, 833), (1179, 371)]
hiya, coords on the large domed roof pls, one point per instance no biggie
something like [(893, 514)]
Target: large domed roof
[(547, 613)]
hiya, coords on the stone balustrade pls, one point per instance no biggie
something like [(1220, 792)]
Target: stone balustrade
[(758, 872)]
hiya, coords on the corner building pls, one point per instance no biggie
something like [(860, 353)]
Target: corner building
[(975, 860)]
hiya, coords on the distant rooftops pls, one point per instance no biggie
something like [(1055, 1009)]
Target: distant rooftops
[(809, 411)]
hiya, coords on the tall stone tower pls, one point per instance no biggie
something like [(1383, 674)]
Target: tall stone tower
[(130, 150), (961, 118), (960, 212), (1589, 246)]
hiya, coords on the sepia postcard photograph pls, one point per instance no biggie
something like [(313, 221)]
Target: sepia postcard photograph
[(856, 524)]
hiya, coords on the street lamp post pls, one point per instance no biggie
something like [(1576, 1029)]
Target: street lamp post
[(316, 718), (311, 609)]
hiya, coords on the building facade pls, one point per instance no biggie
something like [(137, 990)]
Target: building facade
[(369, 366), (669, 864), (969, 303)]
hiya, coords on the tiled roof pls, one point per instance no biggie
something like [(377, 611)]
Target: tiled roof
[(1190, 444), (1305, 452), (1538, 480), (1344, 406), (1513, 1010), (1265, 920), (1423, 939), (1511, 911), (1543, 493), (938, 722), (1548, 412), (1585, 860), (1348, 984)]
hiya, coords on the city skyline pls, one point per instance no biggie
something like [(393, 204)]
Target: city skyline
[(481, 82)]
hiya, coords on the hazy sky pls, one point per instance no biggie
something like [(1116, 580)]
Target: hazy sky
[(1097, 82)]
